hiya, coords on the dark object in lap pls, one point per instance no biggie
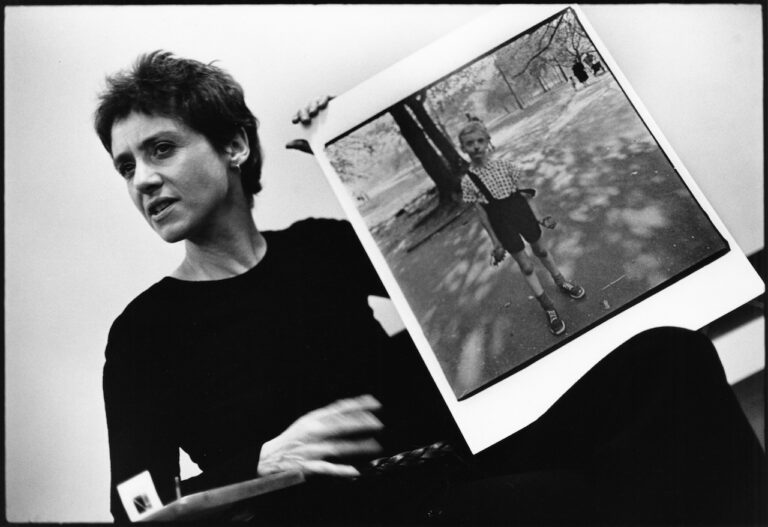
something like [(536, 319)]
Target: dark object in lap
[(652, 434)]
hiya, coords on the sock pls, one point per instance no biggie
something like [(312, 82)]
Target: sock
[(559, 279)]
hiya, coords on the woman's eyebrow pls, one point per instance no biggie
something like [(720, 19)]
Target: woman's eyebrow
[(145, 144)]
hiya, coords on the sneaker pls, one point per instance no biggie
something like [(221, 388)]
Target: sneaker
[(556, 324), (575, 291)]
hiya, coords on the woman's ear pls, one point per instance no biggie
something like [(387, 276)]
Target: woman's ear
[(238, 148)]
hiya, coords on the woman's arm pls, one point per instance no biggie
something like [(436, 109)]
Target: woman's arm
[(139, 438), (143, 428)]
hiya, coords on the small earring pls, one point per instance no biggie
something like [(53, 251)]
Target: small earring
[(234, 164)]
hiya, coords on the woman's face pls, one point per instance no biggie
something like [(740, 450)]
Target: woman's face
[(179, 182)]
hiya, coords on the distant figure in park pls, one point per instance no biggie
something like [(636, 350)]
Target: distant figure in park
[(596, 65), (580, 71), (507, 216)]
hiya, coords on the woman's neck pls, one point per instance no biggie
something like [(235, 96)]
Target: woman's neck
[(228, 252)]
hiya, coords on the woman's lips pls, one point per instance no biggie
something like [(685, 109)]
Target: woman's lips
[(160, 208)]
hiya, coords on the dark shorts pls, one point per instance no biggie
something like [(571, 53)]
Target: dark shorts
[(512, 218)]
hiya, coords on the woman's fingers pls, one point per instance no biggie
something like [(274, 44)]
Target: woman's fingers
[(339, 449), (301, 116), (328, 424), (314, 107), (343, 429), (309, 467), (353, 405), (305, 115), (326, 468), (347, 417), (351, 423), (361, 402)]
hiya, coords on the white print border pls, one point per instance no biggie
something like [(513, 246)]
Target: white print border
[(516, 401)]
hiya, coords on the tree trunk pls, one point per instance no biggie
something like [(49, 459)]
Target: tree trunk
[(444, 145), (435, 166), (431, 111), (509, 86)]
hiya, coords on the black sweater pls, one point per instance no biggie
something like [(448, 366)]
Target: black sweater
[(219, 367)]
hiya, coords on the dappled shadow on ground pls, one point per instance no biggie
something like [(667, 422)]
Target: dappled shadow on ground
[(626, 223)]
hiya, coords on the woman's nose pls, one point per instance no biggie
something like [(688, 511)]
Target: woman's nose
[(146, 178)]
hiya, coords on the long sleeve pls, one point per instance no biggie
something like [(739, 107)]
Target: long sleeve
[(143, 429), (139, 438)]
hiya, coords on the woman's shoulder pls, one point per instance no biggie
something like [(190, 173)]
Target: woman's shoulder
[(141, 311), (150, 299), (324, 246), (315, 226), (312, 234)]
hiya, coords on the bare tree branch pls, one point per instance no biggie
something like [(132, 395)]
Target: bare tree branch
[(542, 50)]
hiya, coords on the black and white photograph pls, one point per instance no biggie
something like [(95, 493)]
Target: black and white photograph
[(520, 201), (256, 269)]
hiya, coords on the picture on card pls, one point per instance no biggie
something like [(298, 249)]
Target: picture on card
[(515, 196)]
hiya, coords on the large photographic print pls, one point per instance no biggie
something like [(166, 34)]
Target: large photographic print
[(580, 201)]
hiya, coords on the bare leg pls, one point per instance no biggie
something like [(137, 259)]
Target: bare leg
[(526, 267), (572, 289), (547, 260), (556, 324)]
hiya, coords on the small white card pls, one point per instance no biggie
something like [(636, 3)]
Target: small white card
[(139, 496)]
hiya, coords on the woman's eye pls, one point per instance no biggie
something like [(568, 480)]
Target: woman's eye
[(126, 170), (163, 149)]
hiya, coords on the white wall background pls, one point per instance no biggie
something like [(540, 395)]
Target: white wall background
[(77, 252)]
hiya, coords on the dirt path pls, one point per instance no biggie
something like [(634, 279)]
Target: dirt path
[(626, 225)]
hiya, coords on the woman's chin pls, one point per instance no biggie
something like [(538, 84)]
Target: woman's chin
[(170, 235)]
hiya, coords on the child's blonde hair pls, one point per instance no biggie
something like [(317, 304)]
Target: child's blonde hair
[(473, 126)]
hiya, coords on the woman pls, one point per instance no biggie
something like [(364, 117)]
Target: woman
[(259, 354), (252, 330)]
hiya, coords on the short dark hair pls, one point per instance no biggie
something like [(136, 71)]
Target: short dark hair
[(203, 96)]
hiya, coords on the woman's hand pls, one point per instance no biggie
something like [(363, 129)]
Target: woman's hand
[(342, 430), (305, 116)]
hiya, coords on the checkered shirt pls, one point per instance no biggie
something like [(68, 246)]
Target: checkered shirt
[(501, 177)]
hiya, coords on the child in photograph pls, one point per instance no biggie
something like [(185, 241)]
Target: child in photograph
[(506, 214)]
